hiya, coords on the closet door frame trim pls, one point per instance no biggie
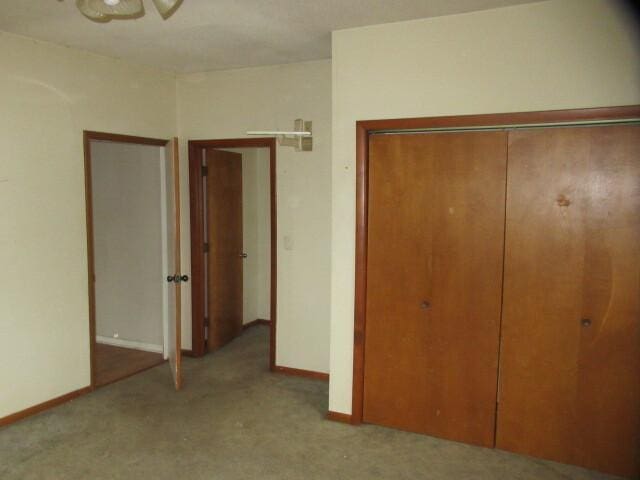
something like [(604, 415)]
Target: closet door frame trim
[(365, 128)]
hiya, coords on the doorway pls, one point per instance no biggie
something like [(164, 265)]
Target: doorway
[(133, 246), (233, 240)]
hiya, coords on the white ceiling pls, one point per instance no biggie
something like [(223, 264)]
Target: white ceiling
[(221, 34)]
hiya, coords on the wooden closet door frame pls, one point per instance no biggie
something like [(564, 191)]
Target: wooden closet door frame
[(365, 128), (198, 265)]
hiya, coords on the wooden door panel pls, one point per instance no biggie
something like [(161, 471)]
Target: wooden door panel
[(224, 263), (570, 354), (435, 230), (172, 187)]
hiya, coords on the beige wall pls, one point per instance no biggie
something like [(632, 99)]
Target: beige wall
[(48, 95), (256, 231), (556, 54), (551, 55), (226, 105), (127, 232)]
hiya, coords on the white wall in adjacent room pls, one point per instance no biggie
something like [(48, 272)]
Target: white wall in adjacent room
[(127, 232)]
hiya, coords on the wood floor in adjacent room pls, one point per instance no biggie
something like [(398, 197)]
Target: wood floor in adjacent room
[(236, 420), (115, 363)]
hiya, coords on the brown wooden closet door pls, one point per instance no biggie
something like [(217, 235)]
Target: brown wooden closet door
[(570, 355), (224, 265), (434, 276)]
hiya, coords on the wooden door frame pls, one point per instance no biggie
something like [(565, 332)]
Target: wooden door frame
[(196, 202), (364, 128), (88, 137)]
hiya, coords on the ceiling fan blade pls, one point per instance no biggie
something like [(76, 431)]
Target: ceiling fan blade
[(167, 7), (90, 13), (125, 8)]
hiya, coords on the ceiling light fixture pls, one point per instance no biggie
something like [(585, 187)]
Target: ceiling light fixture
[(106, 10)]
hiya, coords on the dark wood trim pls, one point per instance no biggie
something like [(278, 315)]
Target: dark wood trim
[(364, 129), (495, 119), (187, 353), (41, 407), (274, 252), (90, 255), (257, 142), (87, 137), (339, 417), (116, 137), (196, 201), (362, 172), (257, 321), (297, 372)]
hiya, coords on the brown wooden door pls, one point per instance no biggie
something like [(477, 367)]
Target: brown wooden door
[(570, 355), (434, 279), (224, 263), (172, 186)]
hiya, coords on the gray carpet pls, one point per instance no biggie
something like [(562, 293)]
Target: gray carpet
[(236, 420)]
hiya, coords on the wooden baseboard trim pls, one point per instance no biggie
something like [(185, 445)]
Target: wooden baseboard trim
[(187, 353), (257, 321), (339, 417), (302, 373), (41, 407)]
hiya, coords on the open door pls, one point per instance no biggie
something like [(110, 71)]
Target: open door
[(174, 276), (225, 258)]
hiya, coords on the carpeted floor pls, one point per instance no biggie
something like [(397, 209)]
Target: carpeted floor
[(236, 420)]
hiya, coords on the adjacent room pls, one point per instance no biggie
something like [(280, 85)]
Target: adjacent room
[(281, 239), (128, 243)]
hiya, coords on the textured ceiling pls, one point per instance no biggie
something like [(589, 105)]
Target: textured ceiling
[(221, 34)]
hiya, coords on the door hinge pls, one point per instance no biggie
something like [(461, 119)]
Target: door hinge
[(205, 170), (206, 329), (206, 248)]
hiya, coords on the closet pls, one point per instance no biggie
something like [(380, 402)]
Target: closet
[(503, 290)]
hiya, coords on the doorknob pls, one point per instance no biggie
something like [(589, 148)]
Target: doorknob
[(177, 278), (243, 255)]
